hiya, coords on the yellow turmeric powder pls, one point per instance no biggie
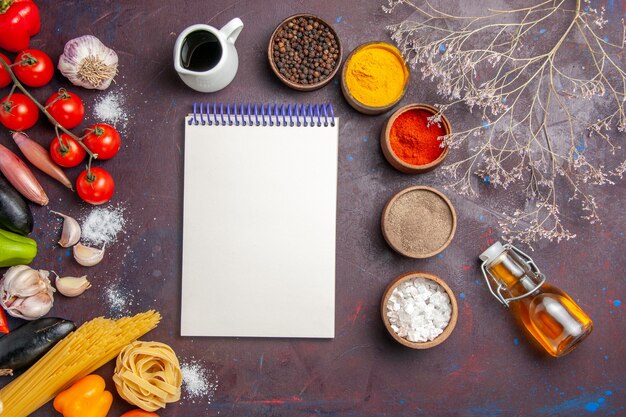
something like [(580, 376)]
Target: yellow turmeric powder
[(376, 75)]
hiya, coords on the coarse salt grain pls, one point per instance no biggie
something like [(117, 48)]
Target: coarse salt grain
[(119, 300), (419, 310), (110, 109), (102, 225), (198, 382)]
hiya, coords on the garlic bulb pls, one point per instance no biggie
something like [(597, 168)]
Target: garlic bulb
[(72, 286), (88, 63), (26, 293), (71, 231), (86, 255)]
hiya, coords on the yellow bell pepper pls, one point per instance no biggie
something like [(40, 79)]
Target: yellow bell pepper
[(86, 398)]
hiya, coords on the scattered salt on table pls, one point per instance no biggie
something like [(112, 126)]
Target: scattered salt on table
[(110, 109), (118, 300), (102, 225), (419, 310), (196, 381)]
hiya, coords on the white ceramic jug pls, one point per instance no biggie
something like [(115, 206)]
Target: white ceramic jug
[(205, 58)]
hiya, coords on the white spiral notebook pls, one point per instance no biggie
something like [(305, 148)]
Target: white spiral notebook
[(260, 195)]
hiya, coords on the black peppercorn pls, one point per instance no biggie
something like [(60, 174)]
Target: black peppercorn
[(305, 50)]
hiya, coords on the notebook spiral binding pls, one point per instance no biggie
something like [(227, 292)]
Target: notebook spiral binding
[(220, 114)]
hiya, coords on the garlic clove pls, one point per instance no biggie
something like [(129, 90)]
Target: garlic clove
[(22, 281), (26, 293), (72, 286), (29, 283), (70, 235), (87, 256), (32, 308), (11, 274)]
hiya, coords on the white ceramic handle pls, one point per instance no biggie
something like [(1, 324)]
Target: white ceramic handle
[(232, 29)]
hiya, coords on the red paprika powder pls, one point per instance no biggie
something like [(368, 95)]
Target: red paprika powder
[(413, 140)]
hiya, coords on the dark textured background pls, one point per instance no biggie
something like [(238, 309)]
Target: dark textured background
[(485, 368)]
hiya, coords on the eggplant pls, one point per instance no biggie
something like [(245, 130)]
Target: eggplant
[(27, 344), (15, 215)]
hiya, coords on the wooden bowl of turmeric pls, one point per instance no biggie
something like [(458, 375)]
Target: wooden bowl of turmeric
[(411, 138), (374, 78)]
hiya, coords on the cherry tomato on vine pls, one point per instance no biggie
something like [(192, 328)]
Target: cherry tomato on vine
[(5, 78), (66, 152), (35, 68), (96, 186), (103, 140), (18, 112), (66, 108)]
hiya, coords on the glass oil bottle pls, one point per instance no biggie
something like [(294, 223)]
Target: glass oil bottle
[(546, 313)]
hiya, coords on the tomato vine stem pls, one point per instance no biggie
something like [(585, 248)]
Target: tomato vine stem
[(18, 84)]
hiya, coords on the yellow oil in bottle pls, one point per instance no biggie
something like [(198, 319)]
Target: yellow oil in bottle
[(546, 313)]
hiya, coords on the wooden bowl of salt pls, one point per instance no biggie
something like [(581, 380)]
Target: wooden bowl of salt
[(418, 222), (402, 310)]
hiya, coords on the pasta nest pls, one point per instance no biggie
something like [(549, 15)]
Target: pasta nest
[(148, 375)]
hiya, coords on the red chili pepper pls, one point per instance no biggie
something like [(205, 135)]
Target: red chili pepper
[(19, 20), (4, 326)]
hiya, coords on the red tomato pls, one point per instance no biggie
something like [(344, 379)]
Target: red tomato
[(18, 112), (36, 68), (66, 108), (139, 413), (66, 152), (5, 78), (96, 187), (103, 140)]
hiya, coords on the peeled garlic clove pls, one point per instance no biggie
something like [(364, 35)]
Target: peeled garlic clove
[(71, 231), (72, 286), (87, 256)]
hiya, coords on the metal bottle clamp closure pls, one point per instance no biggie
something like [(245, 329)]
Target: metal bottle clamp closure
[(498, 291)]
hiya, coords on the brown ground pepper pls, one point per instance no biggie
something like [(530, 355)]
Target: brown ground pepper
[(419, 222)]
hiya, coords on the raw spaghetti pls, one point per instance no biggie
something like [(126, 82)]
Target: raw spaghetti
[(79, 354), (148, 375)]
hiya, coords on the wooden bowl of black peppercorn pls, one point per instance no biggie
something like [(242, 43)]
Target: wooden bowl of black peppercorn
[(304, 52)]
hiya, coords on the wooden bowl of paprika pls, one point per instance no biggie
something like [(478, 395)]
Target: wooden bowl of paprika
[(410, 141), (374, 78)]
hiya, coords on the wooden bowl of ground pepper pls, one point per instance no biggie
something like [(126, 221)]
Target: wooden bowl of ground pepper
[(411, 141), (418, 222), (304, 52)]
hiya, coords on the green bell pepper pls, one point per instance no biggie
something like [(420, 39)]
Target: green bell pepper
[(16, 249)]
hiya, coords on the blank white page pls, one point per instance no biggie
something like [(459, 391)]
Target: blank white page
[(259, 231)]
